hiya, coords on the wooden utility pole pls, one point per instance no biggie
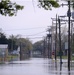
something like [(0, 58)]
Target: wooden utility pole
[(69, 50), (44, 48), (60, 44), (56, 40), (20, 52), (49, 48)]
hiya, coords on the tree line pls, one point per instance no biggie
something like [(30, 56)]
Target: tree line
[(14, 41)]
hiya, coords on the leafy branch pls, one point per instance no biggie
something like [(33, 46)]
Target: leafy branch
[(9, 8)]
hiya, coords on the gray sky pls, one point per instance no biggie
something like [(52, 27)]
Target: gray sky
[(31, 22)]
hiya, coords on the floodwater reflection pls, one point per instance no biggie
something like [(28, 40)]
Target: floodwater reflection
[(34, 66)]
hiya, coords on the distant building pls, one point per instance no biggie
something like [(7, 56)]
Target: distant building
[(3, 52)]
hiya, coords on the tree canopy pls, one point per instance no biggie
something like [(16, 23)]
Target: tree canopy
[(9, 8), (3, 39), (38, 46), (48, 4)]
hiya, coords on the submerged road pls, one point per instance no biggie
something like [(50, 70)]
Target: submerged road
[(35, 66)]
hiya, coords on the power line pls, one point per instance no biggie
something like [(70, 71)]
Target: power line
[(36, 37), (25, 29), (35, 34), (32, 34)]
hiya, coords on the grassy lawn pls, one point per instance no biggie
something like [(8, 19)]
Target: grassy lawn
[(10, 57), (66, 57)]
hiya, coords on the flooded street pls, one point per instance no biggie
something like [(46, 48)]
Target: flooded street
[(34, 66)]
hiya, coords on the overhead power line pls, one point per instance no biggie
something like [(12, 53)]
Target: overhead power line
[(35, 34), (25, 29), (36, 37)]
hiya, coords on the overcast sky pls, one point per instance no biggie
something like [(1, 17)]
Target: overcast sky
[(32, 22)]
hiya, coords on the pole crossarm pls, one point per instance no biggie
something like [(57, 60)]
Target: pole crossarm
[(58, 23), (63, 20), (54, 19), (65, 4)]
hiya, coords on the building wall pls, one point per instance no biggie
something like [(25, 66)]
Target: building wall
[(3, 53)]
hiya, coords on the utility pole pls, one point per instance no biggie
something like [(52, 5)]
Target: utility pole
[(71, 36), (56, 40), (69, 50), (46, 51), (49, 48), (12, 47), (44, 45), (12, 43), (60, 44), (20, 52), (52, 39)]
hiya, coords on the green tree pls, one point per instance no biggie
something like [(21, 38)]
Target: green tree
[(15, 41), (48, 4), (26, 43), (25, 47), (12, 43), (38, 46), (9, 8), (3, 39)]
